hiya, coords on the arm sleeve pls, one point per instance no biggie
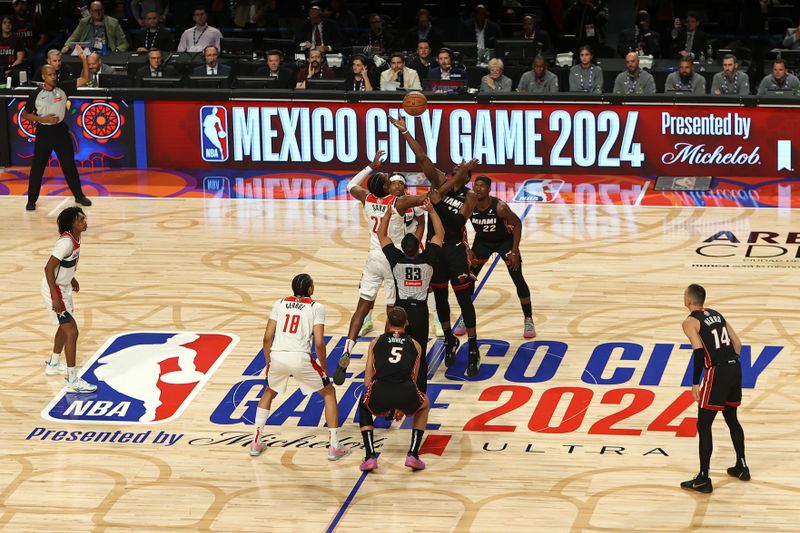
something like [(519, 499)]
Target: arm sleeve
[(358, 178), (319, 314), (698, 365)]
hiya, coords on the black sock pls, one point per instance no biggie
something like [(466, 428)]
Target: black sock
[(369, 447), (527, 310), (703, 473), (473, 344), (448, 335), (416, 441)]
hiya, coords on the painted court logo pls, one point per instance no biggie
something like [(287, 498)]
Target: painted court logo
[(539, 190), (214, 133), (144, 377)]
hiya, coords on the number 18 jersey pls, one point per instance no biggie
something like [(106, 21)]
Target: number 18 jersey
[(295, 319)]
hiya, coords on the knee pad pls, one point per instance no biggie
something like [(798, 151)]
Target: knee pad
[(519, 282), (364, 415), (467, 307)]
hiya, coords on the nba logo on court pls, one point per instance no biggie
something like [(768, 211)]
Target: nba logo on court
[(214, 133), (539, 191), (144, 377)]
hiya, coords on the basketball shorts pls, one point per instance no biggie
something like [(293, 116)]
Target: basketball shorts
[(305, 371), (66, 296), (377, 272), (483, 250), (382, 397), (722, 386), (453, 267)]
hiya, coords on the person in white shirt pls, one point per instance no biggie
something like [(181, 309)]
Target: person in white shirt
[(399, 76), (293, 323), (196, 39)]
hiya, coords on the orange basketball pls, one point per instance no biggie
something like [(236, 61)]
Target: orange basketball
[(415, 103)]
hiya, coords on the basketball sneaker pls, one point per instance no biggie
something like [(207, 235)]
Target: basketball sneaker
[(474, 364), (530, 330), (437, 326), (414, 463), (334, 454), (256, 447), (742, 472), (367, 326), (56, 369), (339, 374), (369, 464), (459, 329), (450, 350), (79, 386), (699, 483)]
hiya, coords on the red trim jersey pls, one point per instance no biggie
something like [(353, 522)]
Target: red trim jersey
[(295, 319)]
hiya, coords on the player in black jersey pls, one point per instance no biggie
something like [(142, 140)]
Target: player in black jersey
[(454, 208), (499, 230), (393, 362), (716, 347)]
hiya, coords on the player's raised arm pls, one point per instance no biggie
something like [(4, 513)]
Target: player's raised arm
[(408, 201), (691, 327), (355, 185), (438, 228), (434, 175), (511, 219), (459, 179), (369, 370), (383, 228)]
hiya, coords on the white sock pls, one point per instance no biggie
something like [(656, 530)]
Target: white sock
[(348, 345), (72, 374), (334, 438), (55, 358), (261, 417)]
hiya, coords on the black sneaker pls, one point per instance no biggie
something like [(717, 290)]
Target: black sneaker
[(474, 364), (30, 206), (450, 351), (339, 374), (700, 484), (742, 472), (83, 201)]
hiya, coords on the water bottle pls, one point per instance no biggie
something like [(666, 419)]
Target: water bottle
[(710, 55)]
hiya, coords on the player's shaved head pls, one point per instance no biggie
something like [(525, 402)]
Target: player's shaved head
[(397, 317), (696, 294)]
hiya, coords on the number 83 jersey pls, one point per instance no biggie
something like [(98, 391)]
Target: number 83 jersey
[(295, 319)]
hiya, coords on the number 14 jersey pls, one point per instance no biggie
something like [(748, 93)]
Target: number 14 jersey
[(295, 319)]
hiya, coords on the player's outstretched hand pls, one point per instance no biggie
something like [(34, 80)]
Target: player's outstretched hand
[(471, 164), (377, 161), (399, 123), (434, 197)]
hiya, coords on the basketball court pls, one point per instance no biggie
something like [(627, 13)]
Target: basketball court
[(588, 427)]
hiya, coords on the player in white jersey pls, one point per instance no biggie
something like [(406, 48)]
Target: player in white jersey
[(57, 286), (293, 322), (376, 197)]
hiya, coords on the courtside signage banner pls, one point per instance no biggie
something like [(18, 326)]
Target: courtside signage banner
[(533, 138)]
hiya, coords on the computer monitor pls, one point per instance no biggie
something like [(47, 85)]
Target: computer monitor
[(255, 82), (325, 85), (112, 81), (792, 58), (516, 50), (287, 46), (209, 82), (468, 51), (236, 46), (161, 83), (444, 86)]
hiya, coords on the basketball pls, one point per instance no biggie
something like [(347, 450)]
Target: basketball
[(415, 103)]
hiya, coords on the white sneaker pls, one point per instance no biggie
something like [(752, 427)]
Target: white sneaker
[(59, 368), (79, 386), (366, 327), (334, 454)]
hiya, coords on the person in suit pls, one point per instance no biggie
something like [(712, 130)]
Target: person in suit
[(640, 38), (445, 70), (100, 31), (155, 67), (274, 69), (479, 29), (399, 73), (212, 66), (153, 35), (376, 38), (63, 72), (791, 40), (318, 33), (532, 33), (424, 30), (97, 69), (689, 41), (424, 60)]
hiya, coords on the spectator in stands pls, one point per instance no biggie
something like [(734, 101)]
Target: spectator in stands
[(318, 33), (792, 39), (495, 81), (103, 33), (730, 80), (445, 70), (201, 35), (316, 69), (96, 69), (634, 80), (640, 38), (141, 8), (28, 27), (153, 35), (479, 29), (284, 76), (779, 81), (423, 31), (12, 49), (155, 67), (531, 32), (423, 62), (586, 77), (538, 79), (345, 20), (360, 78), (586, 19), (261, 14), (212, 66), (689, 41), (63, 72), (375, 38), (685, 80), (399, 76)]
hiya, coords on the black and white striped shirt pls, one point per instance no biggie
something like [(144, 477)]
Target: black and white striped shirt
[(412, 274)]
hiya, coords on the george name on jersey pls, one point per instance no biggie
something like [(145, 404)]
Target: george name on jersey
[(295, 305)]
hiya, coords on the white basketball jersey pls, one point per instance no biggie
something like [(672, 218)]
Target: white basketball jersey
[(295, 319), (399, 225)]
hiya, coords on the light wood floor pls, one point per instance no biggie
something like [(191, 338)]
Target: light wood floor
[(598, 275)]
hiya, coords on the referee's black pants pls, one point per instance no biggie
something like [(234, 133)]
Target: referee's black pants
[(418, 327), (49, 138)]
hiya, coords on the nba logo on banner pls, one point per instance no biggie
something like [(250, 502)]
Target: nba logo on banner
[(539, 191), (144, 377), (214, 133)]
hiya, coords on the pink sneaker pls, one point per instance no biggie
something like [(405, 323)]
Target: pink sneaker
[(334, 454), (369, 464), (256, 448), (414, 463), (459, 330), (530, 330)]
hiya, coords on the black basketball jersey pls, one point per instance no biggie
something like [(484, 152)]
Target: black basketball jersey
[(447, 209), (716, 341), (488, 225), (394, 357)]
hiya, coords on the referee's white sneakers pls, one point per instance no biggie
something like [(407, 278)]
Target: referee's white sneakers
[(79, 386)]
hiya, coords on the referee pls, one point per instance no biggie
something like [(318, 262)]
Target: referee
[(412, 274), (47, 106)]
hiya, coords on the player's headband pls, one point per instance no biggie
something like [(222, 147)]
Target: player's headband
[(486, 179), (397, 177)]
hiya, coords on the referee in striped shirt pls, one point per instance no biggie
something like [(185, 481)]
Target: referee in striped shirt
[(412, 272)]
